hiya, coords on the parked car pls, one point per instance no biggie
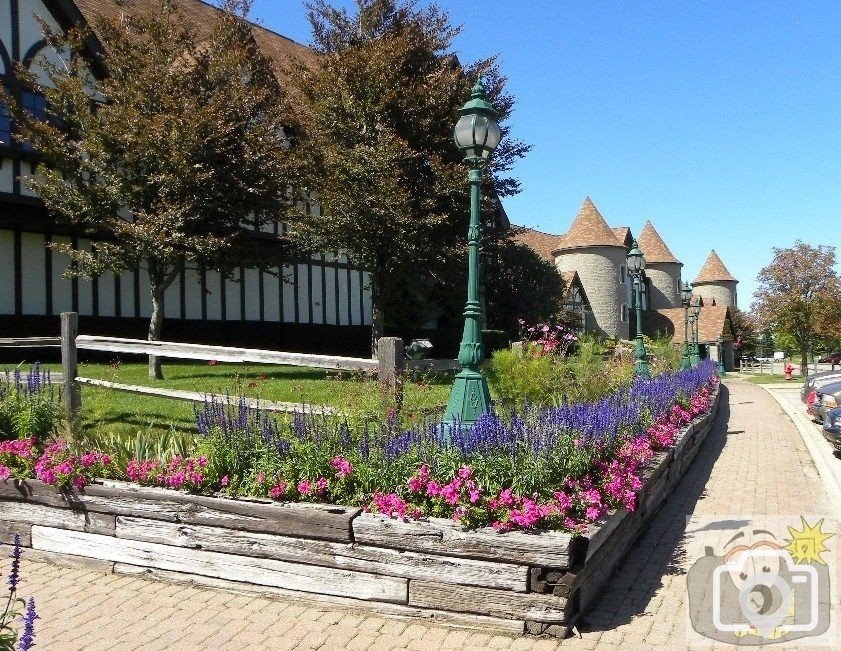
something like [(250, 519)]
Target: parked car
[(831, 358), (816, 380), (827, 398), (832, 428)]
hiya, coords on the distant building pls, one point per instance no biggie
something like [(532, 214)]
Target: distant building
[(591, 258)]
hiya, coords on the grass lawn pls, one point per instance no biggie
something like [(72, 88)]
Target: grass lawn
[(768, 378), (107, 410)]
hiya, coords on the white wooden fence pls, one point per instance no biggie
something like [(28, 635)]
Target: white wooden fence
[(388, 366)]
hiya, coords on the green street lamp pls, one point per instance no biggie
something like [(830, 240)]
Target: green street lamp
[(720, 350), (476, 135), (686, 299), (696, 313), (636, 265)]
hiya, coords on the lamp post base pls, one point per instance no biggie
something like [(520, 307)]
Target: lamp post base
[(469, 399)]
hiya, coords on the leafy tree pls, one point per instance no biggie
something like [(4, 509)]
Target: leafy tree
[(799, 295), (172, 156), (374, 115), (521, 285)]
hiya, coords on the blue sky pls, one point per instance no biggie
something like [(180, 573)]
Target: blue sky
[(719, 121)]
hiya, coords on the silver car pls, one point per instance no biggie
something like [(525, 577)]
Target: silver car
[(816, 380)]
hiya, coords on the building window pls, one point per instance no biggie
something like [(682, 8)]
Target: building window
[(35, 104), (624, 313), (623, 273)]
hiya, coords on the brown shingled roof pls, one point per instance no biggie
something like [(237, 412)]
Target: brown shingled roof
[(589, 229), (711, 323), (280, 49), (713, 271), (542, 243), (623, 234), (653, 246)]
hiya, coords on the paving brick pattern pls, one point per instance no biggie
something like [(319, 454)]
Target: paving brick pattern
[(753, 462)]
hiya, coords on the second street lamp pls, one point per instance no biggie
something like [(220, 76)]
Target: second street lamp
[(696, 313), (686, 299), (636, 265), (477, 135)]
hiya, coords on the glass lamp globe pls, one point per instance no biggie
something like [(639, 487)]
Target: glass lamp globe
[(477, 132), (636, 260)]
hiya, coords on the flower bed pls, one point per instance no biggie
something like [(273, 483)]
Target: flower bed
[(406, 548)]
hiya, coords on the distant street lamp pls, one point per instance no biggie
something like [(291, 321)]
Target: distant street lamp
[(720, 345), (477, 135), (686, 299), (696, 312), (636, 265)]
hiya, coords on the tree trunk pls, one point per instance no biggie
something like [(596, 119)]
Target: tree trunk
[(804, 359), (377, 317), (156, 324), (159, 280)]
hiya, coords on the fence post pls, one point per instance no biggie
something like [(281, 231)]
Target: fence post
[(391, 357), (72, 393)]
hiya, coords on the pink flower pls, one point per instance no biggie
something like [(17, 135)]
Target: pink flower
[(304, 487), (465, 472), (5, 473), (261, 478), (342, 466), (225, 481), (321, 486), (433, 489), (278, 490), (79, 482)]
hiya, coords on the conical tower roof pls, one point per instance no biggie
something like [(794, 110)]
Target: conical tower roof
[(589, 229), (653, 246), (713, 271)]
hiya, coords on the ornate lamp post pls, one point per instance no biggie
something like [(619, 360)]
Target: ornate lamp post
[(636, 265), (696, 312), (686, 299), (477, 135), (720, 344)]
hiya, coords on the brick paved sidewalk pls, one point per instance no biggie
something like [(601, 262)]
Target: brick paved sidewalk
[(754, 461)]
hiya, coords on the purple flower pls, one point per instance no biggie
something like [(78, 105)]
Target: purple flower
[(14, 575), (27, 639)]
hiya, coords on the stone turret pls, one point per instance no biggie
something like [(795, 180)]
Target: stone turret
[(662, 268), (592, 249), (715, 283)]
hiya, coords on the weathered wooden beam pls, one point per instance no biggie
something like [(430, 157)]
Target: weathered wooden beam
[(195, 396), (222, 353), (29, 342), (439, 536), (9, 529), (487, 601), (322, 521), (375, 560), (62, 518), (426, 615), (260, 571)]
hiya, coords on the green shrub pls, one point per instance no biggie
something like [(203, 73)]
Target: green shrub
[(29, 405), (143, 445), (518, 377)]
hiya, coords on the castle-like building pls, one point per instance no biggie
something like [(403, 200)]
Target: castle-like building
[(592, 259)]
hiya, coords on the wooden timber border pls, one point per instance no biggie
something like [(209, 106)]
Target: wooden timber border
[(432, 570)]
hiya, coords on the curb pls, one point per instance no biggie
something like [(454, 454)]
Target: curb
[(814, 443)]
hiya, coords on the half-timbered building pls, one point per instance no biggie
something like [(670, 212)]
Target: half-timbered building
[(313, 304)]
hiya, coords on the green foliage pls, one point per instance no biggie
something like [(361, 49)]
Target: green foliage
[(518, 378), (374, 116), (143, 445), (28, 413), (519, 285), (663, 354)]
